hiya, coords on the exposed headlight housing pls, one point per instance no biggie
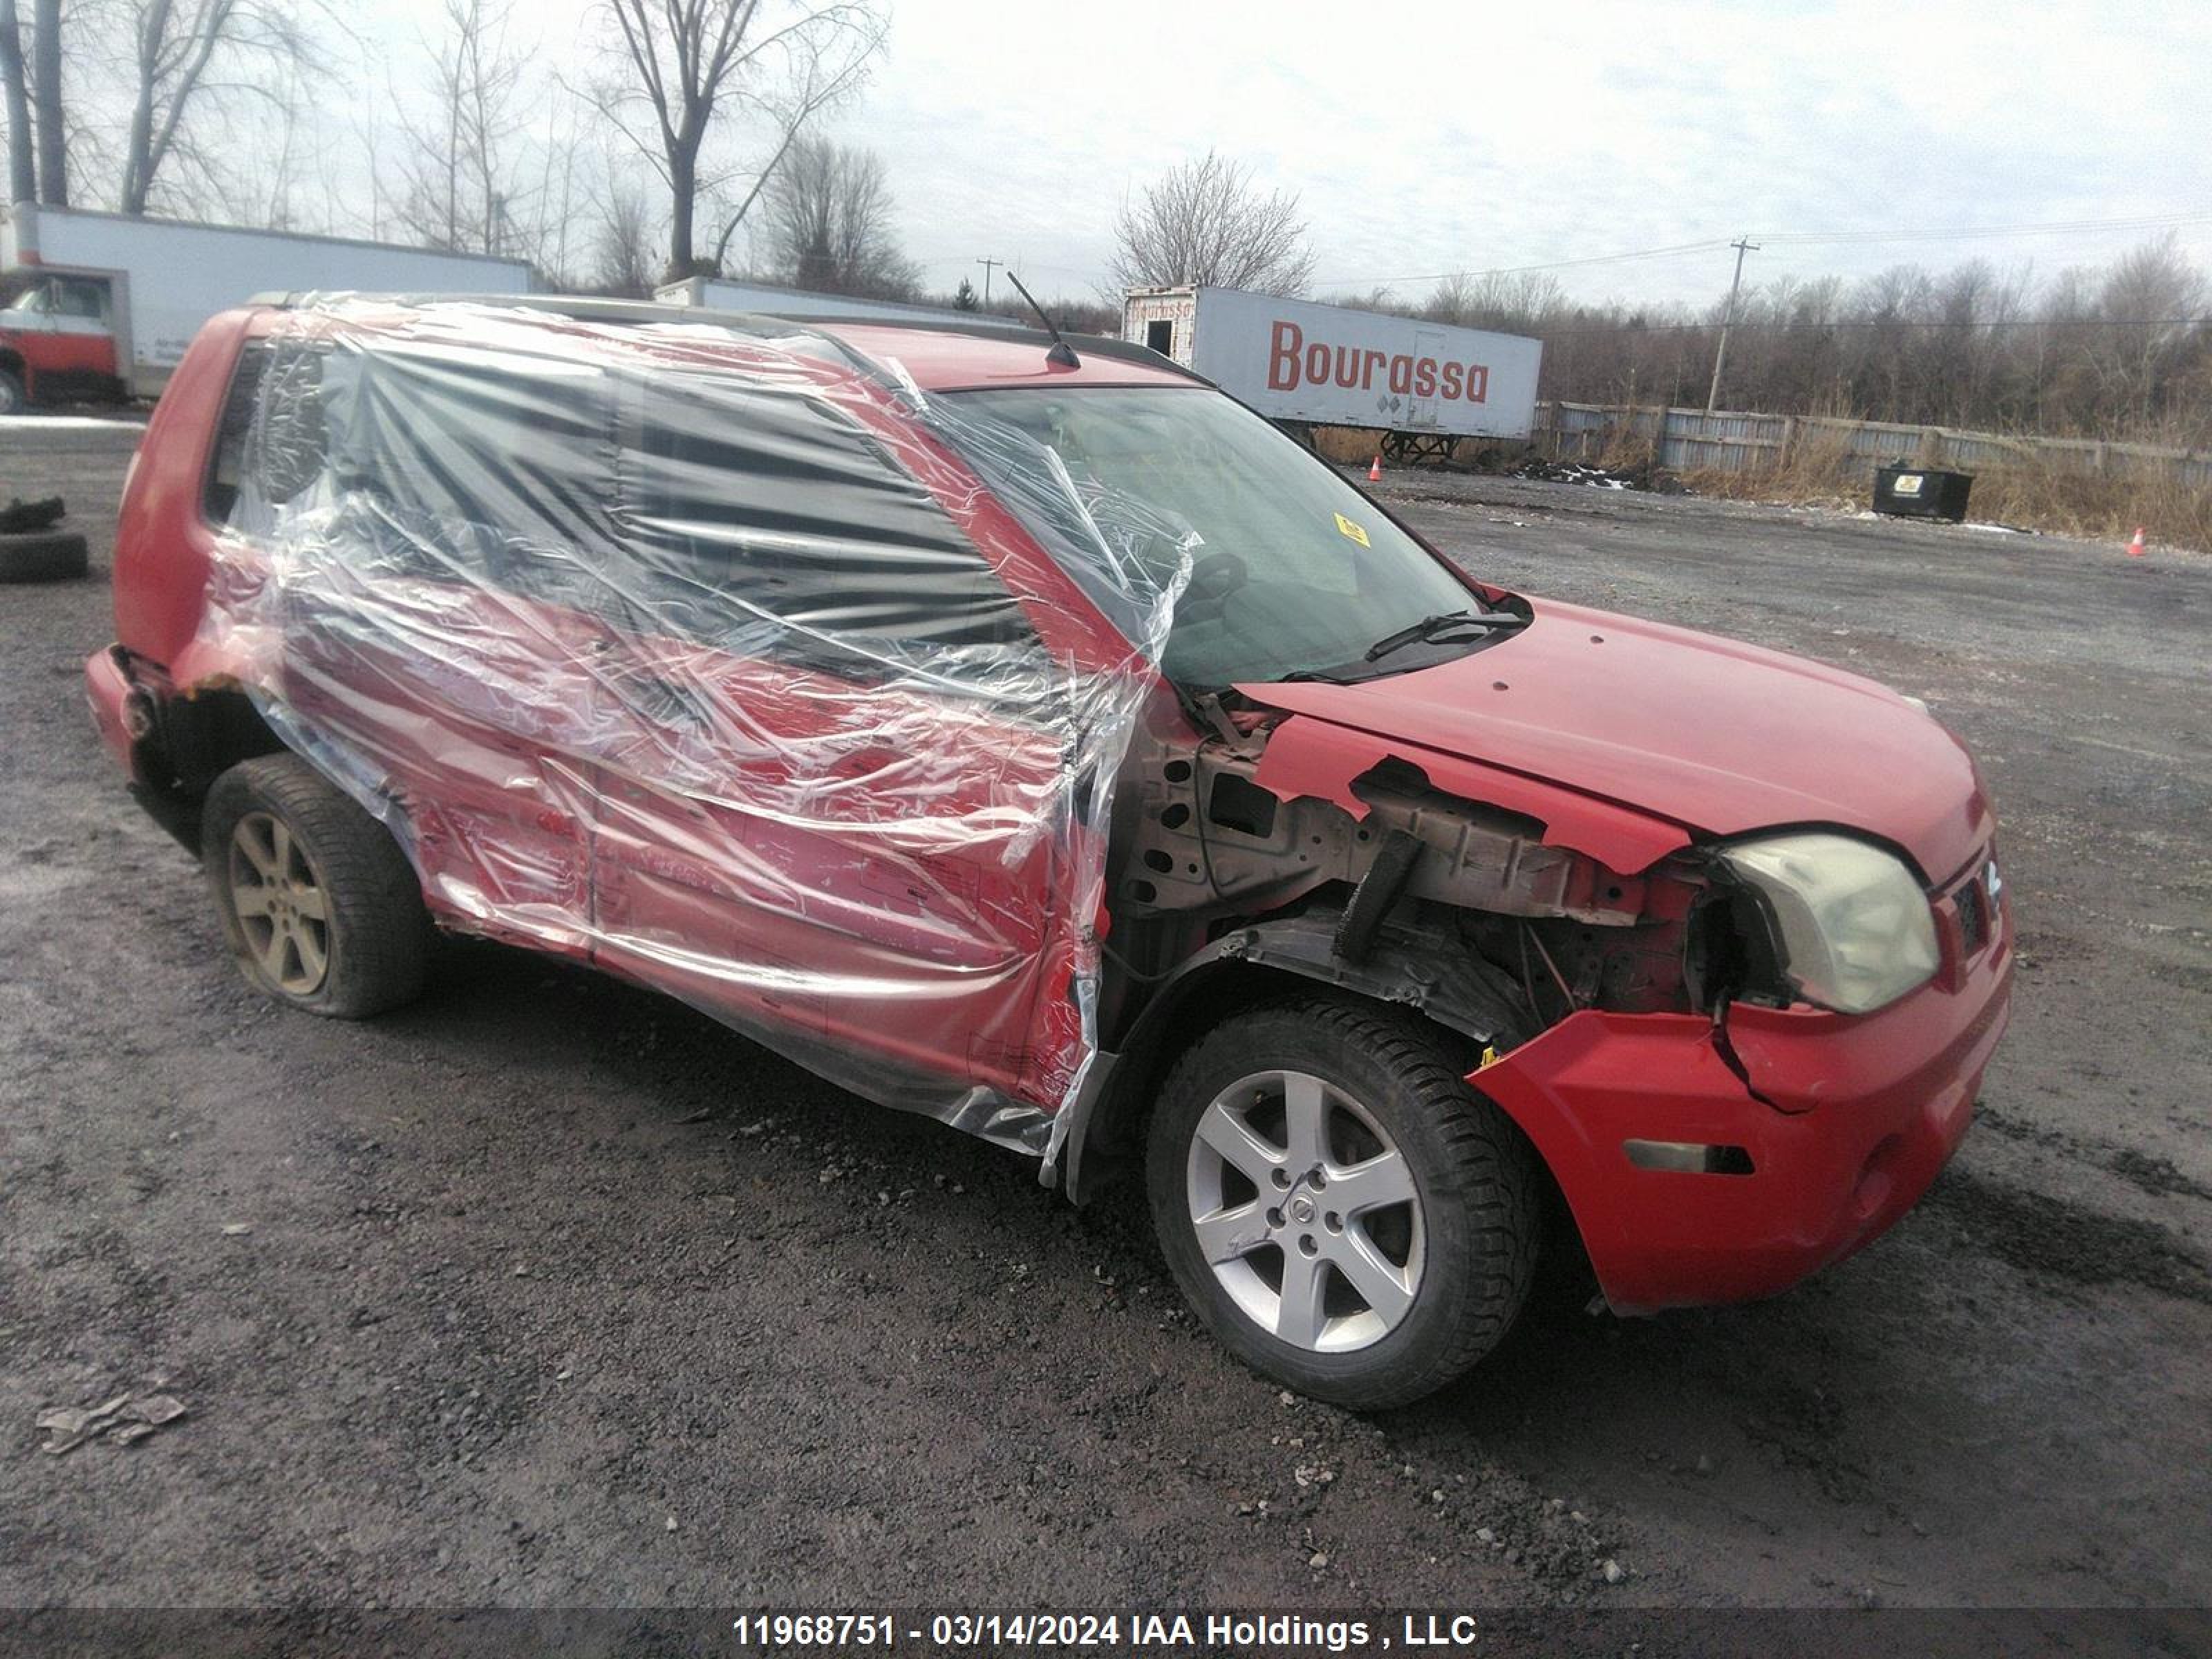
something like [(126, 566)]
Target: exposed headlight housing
[(1851, 928)]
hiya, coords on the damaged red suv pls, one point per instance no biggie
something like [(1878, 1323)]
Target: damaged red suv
[(1021, 731)]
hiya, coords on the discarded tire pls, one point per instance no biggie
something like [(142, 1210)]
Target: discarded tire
[(42, 556)]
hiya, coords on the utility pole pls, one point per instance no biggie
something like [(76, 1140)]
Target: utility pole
[(987, 265), (1728, 321)]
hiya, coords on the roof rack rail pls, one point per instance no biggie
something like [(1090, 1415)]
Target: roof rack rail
[(592, 308)]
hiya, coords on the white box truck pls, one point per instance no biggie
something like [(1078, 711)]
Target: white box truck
[(1307, 365), (105, 304)]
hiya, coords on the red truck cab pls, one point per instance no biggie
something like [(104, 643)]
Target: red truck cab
[(57, 341)]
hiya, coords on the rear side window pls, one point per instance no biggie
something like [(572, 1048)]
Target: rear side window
[(460, 467), (227, 468), (716, 508), (746, 506), (270, 443)]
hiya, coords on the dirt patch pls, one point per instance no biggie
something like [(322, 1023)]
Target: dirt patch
[(2156, 1176), (2043, 1233)]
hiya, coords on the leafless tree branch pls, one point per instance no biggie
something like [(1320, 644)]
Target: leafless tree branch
[(687, 68), (1206, 223)]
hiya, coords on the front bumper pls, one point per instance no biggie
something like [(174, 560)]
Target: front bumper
[(1845, 1121)]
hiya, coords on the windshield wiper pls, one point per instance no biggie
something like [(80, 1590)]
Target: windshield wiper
[(1432, 628)]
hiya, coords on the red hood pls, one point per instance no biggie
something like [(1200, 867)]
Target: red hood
[(1715, 736)]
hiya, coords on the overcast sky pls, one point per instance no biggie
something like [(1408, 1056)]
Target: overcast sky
[(1427, 138)]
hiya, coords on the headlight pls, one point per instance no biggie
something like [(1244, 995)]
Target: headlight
[(1854, 929)]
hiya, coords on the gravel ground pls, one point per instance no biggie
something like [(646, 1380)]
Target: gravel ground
[(551, 1291)]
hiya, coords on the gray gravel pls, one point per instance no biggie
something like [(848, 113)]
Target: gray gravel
[(555, 1291)]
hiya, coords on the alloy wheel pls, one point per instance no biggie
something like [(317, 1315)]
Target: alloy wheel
[(281, 908), (1306, 1211)]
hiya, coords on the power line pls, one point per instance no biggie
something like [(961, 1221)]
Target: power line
[(1516, 271), (1743, 245), (1805, 238)]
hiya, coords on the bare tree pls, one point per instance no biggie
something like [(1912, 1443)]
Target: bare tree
[(46, 99), (829, 223), (458, 187), (189, 59), (685, 65), (621, 250), (2095, 353), (554, 194), (261, 183), (2153, 300), (1518, 302), (22, 166), (1206, 222)]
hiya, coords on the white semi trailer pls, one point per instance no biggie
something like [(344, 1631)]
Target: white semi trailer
[(105, 303), (1425, 385)]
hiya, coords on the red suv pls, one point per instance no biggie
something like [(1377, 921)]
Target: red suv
[(1024, 732)]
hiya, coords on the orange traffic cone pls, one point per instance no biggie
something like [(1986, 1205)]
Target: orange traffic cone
[(1375, 475), (2136, 547)]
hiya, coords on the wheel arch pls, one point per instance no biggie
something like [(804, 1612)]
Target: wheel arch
[(371, 953), (191, 739), (1406, 970)]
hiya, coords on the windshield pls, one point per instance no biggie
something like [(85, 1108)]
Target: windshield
[(1291, 570)]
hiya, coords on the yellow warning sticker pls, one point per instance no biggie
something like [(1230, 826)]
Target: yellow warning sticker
[(1346, 527)]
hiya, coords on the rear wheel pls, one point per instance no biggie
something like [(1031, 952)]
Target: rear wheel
[(11, 393), (1340, 1208), (321, 908)]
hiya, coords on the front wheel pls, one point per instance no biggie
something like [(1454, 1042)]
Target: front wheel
[(1339, 1206)]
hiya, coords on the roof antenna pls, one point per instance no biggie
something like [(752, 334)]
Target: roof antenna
[(1062, 354)]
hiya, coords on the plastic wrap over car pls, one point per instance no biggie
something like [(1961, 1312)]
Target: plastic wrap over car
[(717, 656)]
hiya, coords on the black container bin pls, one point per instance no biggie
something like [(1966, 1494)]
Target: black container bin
[(1920, 492)]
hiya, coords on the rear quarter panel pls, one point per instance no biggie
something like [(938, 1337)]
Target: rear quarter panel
[(163, 546)]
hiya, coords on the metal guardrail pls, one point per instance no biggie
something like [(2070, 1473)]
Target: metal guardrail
[(1741, 440)]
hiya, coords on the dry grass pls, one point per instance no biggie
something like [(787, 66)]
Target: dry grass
[(2171, 513), (2057, 499), (1356, 446), (1345, 445), (1818, 470)]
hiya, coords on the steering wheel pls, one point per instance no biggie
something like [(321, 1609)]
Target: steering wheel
[(1213, 580)]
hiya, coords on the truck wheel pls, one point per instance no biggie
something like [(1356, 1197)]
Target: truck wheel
[(42, 556), (320, 906), (1339, 1207), (12, 399)]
